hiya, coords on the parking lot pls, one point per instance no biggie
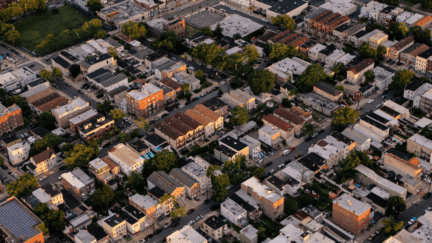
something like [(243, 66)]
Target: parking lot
[(12, 56), (34, 66)]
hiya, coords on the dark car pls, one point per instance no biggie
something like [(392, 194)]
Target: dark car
[(190, 211), (427, 195), (207, 201), (157, 231), (80, 91), (99, 96), (62, 168), (195, 98), (165, 115), (188, 103), (174, 220), (268, 164), (62, 238), (174, 224), (298, 155), (164, 239), (286, 162), (148, 237), (4, 167), (308, 139), (321, 131)]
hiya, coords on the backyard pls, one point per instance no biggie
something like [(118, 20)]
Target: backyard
[(35, 29)]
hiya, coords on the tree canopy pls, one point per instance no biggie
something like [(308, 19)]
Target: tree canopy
[(280, 51), (207, 31), (312, 75), (220, 183), (399, 30), (395, 206), (309, 128), (366, 51), (401, 79), (345, 116), (261, 81), (239, 116), (47, 120), (94, 5), (251, 53), (284, 22), (53, 219), (133, 29), (48, 141), (369, 76), (117, 114), (390, 227), (164, 160), (24, 185), (104, 107), (136, 181), (168, 40), (81, 154), (102, 199), (421, 36)]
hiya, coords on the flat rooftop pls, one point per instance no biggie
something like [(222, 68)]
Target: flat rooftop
[(236, 24), (125, 10)]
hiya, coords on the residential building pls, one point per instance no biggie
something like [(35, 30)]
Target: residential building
[(178, 26), (50, 195), (270, 202), (292, 118), (234, 146), (313, 53), (214, 227), (424, 23), (96, 62), (283, 184), (395, 51), (332, 59), (425, 102), (234, 212), (422, 61), (146, 102), (345, 59), (105, 79), (383, 78), (186, 235), (287, 131), (198, 173), (323, 54), (375, 126), (194, 124), (78, 183), (145, 204), (167, 183), (270, 135), (20, 223), (126, 158), (415, 90), (47, 103), (217, 105), (43, 161), (328, 91), (355, 74), (362, 142), (84, 237), (304, 49), (420, 145), (17, 79), (98, 232), (377, 39), (171, 84), (185, 78), (192, 187), (101, 170), (123, 12), (74, 108), (331, 150), (11, 118), (351, 214), (175, 133), (95, 127), (140, 147), (18, 152), (319, 103), (135, 219), (241, 98), (217, 120), (207, 124), (396, 110), (156, 143), (409, 55), (249, 234), (254, 147), (115, 226), (345, 32), (402, 163), (82, 118)]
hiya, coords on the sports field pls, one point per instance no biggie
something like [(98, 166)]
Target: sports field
[(35, 29)]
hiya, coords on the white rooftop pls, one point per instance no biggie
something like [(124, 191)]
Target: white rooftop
[(336, 54), (195, 169), (72, 105), (83, 117), (423, 122), (342, 8), (233, 207), (41, 195), (416, 17), (234, 50), (389, 43), (317, 48), (144, 201), (236, 24), (351, 204), (186, 235), (379, 180), (269, 129), (98, 164), (146, 91), (345, 59), (384, 194), (156, 23), (85, 237), (126, 155), (387, 116), (73, 180), (396, 107), (249, 232), (404, 16), (421, 140), (261, 189)]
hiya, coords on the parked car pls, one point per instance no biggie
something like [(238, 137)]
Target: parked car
[(4, 167), (174, 224), (268, 164), (286, 162), (207, 201), (427, 195), (321, 131), (190, 211), (307, 139), (298, 155), (412, 221), (68, 84), (286, 152), (292, 149)]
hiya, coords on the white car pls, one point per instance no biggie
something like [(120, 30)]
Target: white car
[(59, 178), (191, 68), (167, 225), (428, 209), (370, 101), (271, 172), (232, 8), (411, 222), (281, 166), (181, 106)]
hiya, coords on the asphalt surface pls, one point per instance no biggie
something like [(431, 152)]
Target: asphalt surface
[(254, 17)]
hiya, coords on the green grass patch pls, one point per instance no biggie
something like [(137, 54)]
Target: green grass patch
[(194, 147), (35, 29), (206, 85)]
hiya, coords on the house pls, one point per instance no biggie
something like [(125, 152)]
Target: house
[(128, 160), (332, 59), (18, 152), (78, 183), (82, 118), (17, 79), (383, 78), (423, 61), (292, 118), (207, 125), (84, 237), (351, 214), (95, 127), (362, 142), (194, 124), (214, 227), (409, 55), (146, 102), (11, 118), (304, 48), (98, 232), (249, 234), (234, 146), (50, 195), (135, 219), (12, 213), (217, 105), (420, 145), (239, 98), (331, 150), (402, 163), (283, 184), (115, 226), (414, 90), (355, 74), (345, 32), (254, 147), (287, 131), (156, 143), (270, 135), (198, 173), (327, 91), (186, 235), (183, 78), (175, 133), (375, 126), (167, 183), (105, 79), (101, 170), (153, 58), (197, 39), (217, 120), (114, 167), (395, 51), (171, 84), (47, 103), (43, 161), (378, 39), (147, 205), (234, 212), (191, 186), (425, 100), (93, 63), (313, 53), (140, 147), (319, 103), (74, 108), (423, 23), (270, 202)]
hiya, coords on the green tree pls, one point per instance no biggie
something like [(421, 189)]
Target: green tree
[(399, 30), (390, 227), (395, 206), (104, 107), (186, 87), (24, 185), (312, 75), (201, 76), (421, 36), (117, 114), (180, 211), (75, 70), (12, 36), (80, 155), (142, 123), (284, 22), (366, 51), (259, 172), (94, 5), (251, 52), (102, 199), (48, 141), (369, 76), (206, 53), (218, 31), (124, 137), (340, 87), (29, 5), (220, 183), (164, 160), (113, 52), (46, 74), (243, 72), (427, 4), (424, 79), (280, 51), (47, 120), (261, 232), (261, 81), (207, 31), (309, 128), (136, 181), (211, 169), (239, 116), (57, 73), (345, 116), (286, 103), (168, 40), (381, 51), (16, 99), (13, 10), (54, 220), (220, 93), (134, 30), (100, 35), (339, 69), (401, 79), (1, 161)]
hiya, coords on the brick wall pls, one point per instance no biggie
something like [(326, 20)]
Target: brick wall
[(349, 220)]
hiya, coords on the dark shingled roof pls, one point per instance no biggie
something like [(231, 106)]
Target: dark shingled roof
[(374, 123), (390, 111)]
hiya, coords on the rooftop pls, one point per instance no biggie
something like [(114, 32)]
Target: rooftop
[(233, 143), (423, 141), (283, 7), (126, 155), (114, 220), (351, 204), (215, 222), (261, 189), (123, 11), (236, 24), (71, 106), (195, 169), (328, 88), (144, 201), (146, 90)]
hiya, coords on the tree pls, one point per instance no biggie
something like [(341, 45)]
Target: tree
[(13, 10), (286, 102), (426, 4), (251, 52), (136, 181), (424, 79), (104, 107), (345, 116), (57, 73), (142, 123), (211, 169), (339, 69), (370, 76), (201, 76), (258, 172), (54, 220), (94, 5), (46, 74), (48, 141), (164, 160), (381, 51), (280, 51), (75, 70), (220, 183), (239, 116), (12, 36), (401, 79), (340, 87), (366, 51), (207, 31), (100, 35), (134, 30), (47, 120), (102, 199), (24, 185), (309, 128), (186, 87), (312, 75), (261, 81), (218, 31), (1, 160), (16, 99), (243, 72), (206, 53), (80, 155), (113, 52), (395, 206), (168, 40), (29, 5), (390, 227), (420, 35), (220, 93), (399, 30), (284, 22), (117, 114), (180, 211), (261, 232)]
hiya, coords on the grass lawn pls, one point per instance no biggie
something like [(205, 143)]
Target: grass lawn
[(34, 30), (194, 147)]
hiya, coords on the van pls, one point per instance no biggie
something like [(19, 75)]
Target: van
[(285, 152)]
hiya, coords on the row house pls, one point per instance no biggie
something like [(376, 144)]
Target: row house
[(239, 208), (135, 219), (314, 15), (218, 120), (115, 226), (420, 146), (128, 160), (43, 161), (160, 183), (328, 91), (377, 39), (287, 131), (304, 48), (198, 173), (235, 145), (291, 118), (395, 51), (322, 24), (206, 123), (331, 25), (78, 183), (345, 34), (402, 163), (175, 133), (315, 21), (409, 55), (217, 105), (82, 118), (424, 23), (101, 171), (192, 187), (331, 150), (47, 103), (72, 109), (95, 127), (198, 128), (146, 204), (424, 61), (355, 73), (145, 102)]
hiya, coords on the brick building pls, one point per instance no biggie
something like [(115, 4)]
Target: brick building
[(178, 26), (10, 118), (351, 214), (146, 102), (78, 183), (145, 204), (402, 163)]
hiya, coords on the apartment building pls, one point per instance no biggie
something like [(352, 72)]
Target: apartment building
[(331, 150), (217, 120), (328, 91), (50, 195), (313, 53), (115, 226), (402, 163), (84, 237), (355, 74), (66, 112), (423, 61), (184, 78), (197, 127), (383, 77), (420, 145), (82, 118), (239, 97), (344, 32), (43, 161), (270, 202), (214, 227), (424, 23), (175, 133), (351, 214), (192, 187), (304, 48), (146, 102), (126, 158), (98, 232), (11, 118), (285, 69), (254, 147), (362, 142), (283, 184), (331, 59), (78, 183), (270, 135), (287, 131), (146, 204), (409, 55), (234, 145), (95, 127), (187, 234), (135, 219), (395, 51), (96, 62), (217, 105), (239, 208), (171, 84), (101, 170), (425, 103), (198, 173), (18, 152), (47, 103), (377, 39), (207, 124), (291, 118), (167, 183)]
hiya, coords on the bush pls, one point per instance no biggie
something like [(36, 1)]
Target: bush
[(55, 11)]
